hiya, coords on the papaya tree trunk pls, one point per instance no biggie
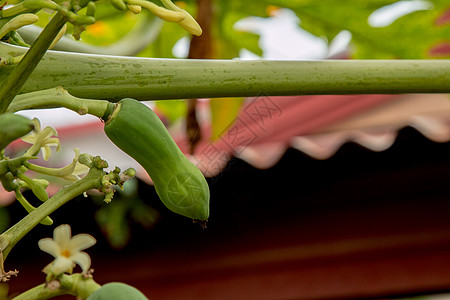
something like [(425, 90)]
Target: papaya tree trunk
[(200, 48)]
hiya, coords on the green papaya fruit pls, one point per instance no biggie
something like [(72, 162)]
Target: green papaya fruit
[(138, 131), (117, 291)]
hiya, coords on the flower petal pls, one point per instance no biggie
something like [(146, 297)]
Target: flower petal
[(83, 260), (37, 124), (81, 242), (29, 138), (61, 265), (80, 169), (61, 235), (71, 178), (48, 245), (48, 132), (52, 142), (46, 152)]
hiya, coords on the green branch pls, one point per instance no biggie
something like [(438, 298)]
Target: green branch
[(59, 97), (75, 285), (10, 238), (114, 78)]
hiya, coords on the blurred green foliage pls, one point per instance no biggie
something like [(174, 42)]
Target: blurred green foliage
[(223, 112), (409, 37), (172, 109)]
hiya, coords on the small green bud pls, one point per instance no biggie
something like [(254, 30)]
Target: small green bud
[(119, 4), (188, 23), (60, 34), (165, 14), (85, 159), (17, 22), (44, 183), (84, 20), (37, 189), (39, 4), (90, 9), (130, 172), (8, 182), (134, 8), (99, 163)]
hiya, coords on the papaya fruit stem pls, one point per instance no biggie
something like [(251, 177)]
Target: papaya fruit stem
[(75, 285), (59, 97)]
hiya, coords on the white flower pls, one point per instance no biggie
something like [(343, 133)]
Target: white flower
[(71, 172), (67, 250), (78, 170), (41, 139)]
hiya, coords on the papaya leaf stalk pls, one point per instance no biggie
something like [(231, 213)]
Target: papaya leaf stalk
[(113, 78)]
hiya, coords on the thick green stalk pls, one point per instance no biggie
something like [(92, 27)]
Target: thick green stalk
[(19, 75), (113, 78), (41, 292), (16, 232), (74, 285), (58, 97)]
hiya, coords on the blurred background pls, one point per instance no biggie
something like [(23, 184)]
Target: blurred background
[(312, 197)]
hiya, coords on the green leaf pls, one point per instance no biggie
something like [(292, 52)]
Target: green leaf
[(109, 29), (162, 47), (411, 36), (224, 112), (229, 41), (172, 109)]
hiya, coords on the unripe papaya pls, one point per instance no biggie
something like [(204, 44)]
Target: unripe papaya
[(117, 291), (12, 127), (138, 131)]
